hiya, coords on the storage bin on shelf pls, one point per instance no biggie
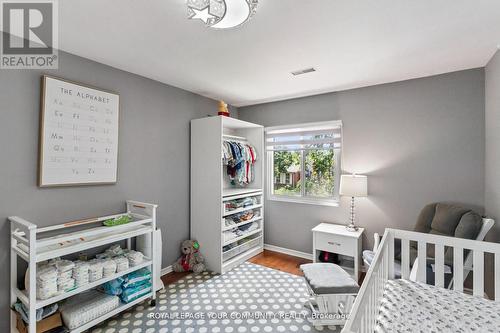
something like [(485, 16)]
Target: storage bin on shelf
[(243, 246), (239, 219), (242, 204)]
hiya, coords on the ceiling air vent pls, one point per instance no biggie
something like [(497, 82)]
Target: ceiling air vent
[(303, 71)]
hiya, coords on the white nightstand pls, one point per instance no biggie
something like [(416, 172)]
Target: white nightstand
[(337, 239)]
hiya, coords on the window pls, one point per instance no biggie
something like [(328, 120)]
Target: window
[(304, 162)]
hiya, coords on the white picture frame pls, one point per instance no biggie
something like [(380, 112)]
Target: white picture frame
[(78, 142)]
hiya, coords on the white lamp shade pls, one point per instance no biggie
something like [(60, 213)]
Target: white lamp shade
[(353, 185)]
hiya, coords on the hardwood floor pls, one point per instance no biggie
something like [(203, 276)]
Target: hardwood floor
[(173, 277), (271, 259), (279, 261)]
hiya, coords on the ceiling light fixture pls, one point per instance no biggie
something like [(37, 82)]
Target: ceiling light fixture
[(221, 14)]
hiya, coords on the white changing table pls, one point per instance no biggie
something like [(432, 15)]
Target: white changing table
[(28, 243)]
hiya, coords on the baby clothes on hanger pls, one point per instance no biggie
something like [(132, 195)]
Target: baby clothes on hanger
[(240, 159)]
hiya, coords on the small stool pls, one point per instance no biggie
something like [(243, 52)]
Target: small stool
[(332, 293)]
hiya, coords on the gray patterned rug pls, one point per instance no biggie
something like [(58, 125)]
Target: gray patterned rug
[(249, 299)]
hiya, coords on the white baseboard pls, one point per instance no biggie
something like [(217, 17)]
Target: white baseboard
[(166, 270), (290, 252), (304, 255)]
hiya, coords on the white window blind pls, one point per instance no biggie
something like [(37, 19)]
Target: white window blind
[(303, 161), (325, 135)]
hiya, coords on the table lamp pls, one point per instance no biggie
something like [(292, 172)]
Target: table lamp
[(353, 186)]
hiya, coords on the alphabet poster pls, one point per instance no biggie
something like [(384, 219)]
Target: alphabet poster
[(78, 134)]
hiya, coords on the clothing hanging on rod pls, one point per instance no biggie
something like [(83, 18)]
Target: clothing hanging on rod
[(240, 158)]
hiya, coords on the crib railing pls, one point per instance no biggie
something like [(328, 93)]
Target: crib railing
[(363, 317)]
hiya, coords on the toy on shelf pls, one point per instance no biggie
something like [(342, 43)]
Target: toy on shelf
[(223, 110)]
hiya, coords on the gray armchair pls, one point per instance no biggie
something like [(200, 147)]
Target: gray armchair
[(441, 219)]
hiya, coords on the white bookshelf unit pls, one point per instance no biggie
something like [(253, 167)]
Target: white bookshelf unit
[(33, 245), (211, 190)]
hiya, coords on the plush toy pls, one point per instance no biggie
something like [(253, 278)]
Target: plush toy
[(191, 259)]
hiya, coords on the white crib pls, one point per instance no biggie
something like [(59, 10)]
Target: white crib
[(365, 311)]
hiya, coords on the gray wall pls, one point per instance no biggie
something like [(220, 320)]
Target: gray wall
[(419, 141), (492, 152), (492, 165), (153, 154)]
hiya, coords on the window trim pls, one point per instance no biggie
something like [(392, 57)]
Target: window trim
[(302, 199)]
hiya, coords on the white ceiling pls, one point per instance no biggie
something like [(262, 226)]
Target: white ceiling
[(352, 43)]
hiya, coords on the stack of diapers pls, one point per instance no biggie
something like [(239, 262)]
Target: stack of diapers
[(65, 281), (122, 263), (135, 258), (54, 277), (46, 281), (96, 270), (81, 273), (85, 307), (58, 276), (123, 258), (108, 267), (114, 250)]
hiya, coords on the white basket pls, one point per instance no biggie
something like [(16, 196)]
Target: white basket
[(241, 248), (227, 210)]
